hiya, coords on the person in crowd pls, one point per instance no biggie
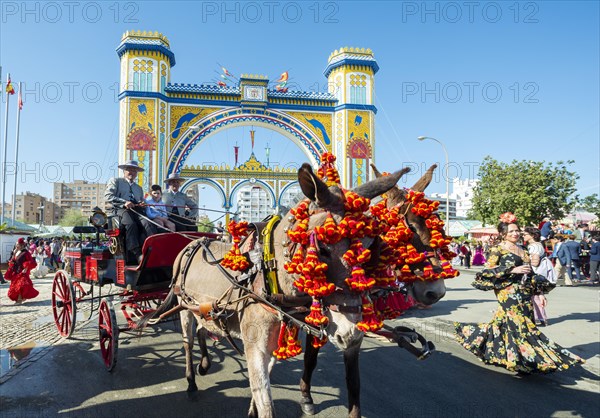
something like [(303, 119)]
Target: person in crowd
[(156, 209), (479, 258), (546, 231), (183, 211), (55, 254), (560, 269), (465, 250), (127, 199), (568, 254), (542, 266), (595, 259), (511, 339), (20, 264), (2, 281)]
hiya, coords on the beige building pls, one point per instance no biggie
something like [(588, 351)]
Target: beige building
[(79, 194), (30, 207)]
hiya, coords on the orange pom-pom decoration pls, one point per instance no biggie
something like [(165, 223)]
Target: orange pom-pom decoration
[(328, 232), (358, 282), (316, 317), (370, 321), (300, 233), (288, 344), (319, 342)]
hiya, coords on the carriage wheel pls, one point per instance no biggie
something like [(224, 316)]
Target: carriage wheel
[(114, 246), (64, 305), (108, 334)]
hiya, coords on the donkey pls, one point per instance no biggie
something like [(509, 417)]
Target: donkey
[(199, 281), (425, 292)]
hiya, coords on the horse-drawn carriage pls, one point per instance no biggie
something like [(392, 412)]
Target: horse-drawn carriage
[(101, 265)]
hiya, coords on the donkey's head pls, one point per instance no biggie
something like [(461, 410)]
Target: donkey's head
[(343, 306), (426, 292)]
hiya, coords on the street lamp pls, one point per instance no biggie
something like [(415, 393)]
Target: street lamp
[(423, 138)]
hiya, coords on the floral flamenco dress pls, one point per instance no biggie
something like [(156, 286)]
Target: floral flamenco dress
[(511, 339), (21, 285)]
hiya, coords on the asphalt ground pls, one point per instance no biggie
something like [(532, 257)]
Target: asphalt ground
[(66, 378)]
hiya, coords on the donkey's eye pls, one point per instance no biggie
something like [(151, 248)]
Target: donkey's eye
[(324, 251)]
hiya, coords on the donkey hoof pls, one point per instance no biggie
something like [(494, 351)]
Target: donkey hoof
[(203, 367), (307, 405)]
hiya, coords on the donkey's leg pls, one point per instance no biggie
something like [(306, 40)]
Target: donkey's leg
[(260, 339), (310, 363), (204, 365), (187, 323), (353, 380)]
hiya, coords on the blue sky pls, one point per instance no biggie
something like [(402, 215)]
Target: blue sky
[(511, 80)]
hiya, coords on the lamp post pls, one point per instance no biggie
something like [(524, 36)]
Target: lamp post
[(423, 138)]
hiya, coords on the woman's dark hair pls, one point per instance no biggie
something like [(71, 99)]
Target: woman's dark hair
[(155, 188), (503, 228), (534, 232)]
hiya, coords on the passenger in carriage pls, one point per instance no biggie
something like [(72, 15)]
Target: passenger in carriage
[(177, 203), (127, 199), (156, 209)]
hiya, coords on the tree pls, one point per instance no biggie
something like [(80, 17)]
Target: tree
[(531, 190), (73, 217), (204, 224), (590, 204)]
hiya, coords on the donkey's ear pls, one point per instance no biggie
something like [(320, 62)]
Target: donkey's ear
[(314, 188), (377, 173), (380, 185), (424, 181), (395, 195)]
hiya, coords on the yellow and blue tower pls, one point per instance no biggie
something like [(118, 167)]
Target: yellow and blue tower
[(351, 78), (146, 62)]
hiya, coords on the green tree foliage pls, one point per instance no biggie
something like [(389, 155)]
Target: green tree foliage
[(74, 217), (204, 224), (531, 190), (590, 204)]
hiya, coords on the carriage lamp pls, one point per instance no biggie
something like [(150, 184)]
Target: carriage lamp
[(98, 218)]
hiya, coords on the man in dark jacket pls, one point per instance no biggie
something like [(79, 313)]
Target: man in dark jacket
[(568, 254), (595, 260)]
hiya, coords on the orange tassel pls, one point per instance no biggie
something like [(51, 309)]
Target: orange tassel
[(316, 316)]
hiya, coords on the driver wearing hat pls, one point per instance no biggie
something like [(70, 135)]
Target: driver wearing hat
[(178, 203), (127, 199)]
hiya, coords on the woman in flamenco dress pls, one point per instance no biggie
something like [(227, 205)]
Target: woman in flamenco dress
[(511, 339), (479, 258), (20, 264)]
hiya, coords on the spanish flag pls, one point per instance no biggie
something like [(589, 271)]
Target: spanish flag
[(9, 87)]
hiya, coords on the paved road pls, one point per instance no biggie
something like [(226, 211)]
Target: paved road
[(67, 379)]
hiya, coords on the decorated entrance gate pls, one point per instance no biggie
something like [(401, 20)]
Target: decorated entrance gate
[(162, 122)]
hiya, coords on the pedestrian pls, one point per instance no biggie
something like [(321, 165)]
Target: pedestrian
[(19, 266), (55, 254), (465, 250), (595, 259), (541, 266), (511, 339), (560, 269), (2, 281), (569, 251)]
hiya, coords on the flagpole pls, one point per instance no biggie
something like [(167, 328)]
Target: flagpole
[(4, 155), (14, 199)]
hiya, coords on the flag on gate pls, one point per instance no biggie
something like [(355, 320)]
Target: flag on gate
[(9, 87)]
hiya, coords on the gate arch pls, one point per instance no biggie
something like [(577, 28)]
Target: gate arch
[(299, 133)]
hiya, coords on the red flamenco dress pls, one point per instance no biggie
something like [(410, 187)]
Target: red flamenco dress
[(21, 286)]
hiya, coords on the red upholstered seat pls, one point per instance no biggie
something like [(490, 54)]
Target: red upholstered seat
[(160, 250)]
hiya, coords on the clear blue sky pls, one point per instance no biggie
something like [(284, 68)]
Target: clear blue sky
[(538, 62)]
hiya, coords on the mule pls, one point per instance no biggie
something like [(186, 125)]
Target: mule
[(244, 318), (424, 292)]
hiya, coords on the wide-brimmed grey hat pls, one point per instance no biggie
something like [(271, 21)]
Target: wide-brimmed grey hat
[(130, 164), (174, 177)]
